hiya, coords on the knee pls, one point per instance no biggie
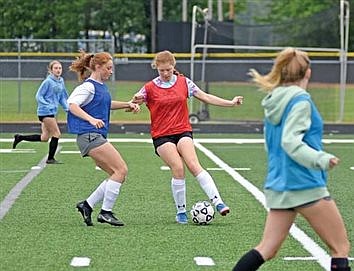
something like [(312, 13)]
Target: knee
[(122, 173), (57, 134), (44, 138), (178, 172), (195, 168), (125, 171)]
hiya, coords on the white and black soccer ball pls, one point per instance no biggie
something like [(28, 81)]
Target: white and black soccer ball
[(202, 213)]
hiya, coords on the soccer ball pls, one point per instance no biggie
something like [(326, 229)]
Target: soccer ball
[(202, 213)]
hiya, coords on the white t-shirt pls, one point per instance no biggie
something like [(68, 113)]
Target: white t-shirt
[(83, 94)]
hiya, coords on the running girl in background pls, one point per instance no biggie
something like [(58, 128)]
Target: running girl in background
[(50, 94)]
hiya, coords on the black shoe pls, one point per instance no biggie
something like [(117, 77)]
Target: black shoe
[(16, 140), (53, 161), (85, 211), (108, 217)]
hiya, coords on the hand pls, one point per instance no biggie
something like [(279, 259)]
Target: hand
[(138, 99), (237, 100), (333, 162), (133, 107), (97, 123)]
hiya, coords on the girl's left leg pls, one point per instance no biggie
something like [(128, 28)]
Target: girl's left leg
[(186, 149), (110, 160), (325, 219), (50, 128)]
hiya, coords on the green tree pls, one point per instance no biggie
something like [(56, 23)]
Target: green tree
[(172, 9), (122, 17), (39, 19), (72, 19), (310, 23)]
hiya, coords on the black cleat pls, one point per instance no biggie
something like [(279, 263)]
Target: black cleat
[(108, 217), (53, 162), (17, 139), (85, 211)]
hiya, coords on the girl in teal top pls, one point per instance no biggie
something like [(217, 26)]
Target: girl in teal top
[(297, 165)]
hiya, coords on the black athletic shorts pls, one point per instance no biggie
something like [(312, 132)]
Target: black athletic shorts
[(41, 118), (169, 138), (305, 204)]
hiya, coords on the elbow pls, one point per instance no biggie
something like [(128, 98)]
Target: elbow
[(286, 145), (290, 147), (71, 107)]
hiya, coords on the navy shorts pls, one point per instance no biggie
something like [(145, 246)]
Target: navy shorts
[(170, 138)]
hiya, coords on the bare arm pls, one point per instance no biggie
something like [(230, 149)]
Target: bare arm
[(129, 106), (215, 100), (77, 111)]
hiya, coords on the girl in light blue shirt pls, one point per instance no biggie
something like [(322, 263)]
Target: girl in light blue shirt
[(50, 94)]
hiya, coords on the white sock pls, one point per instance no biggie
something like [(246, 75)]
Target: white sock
[(178, 187), (97, 195), (110, 194), (206, 182)]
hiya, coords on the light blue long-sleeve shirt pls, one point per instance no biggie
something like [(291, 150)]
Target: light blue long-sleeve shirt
[(293, 141), (50, 94)]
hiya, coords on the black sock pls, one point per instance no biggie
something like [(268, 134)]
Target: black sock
[(87, 205), (340, 264), (30, 137), (251, 261), (52, 147)]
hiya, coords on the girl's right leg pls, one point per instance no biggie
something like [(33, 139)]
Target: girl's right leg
[(169, 154), (18, 138), (276, 229), (44, 136)]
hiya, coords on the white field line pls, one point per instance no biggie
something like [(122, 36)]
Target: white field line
[(80, 261), (306, 258), (10, 198), (313, 248), (319, 254), (14, 171), (210, 168), (204, 261), (17, 151), (15, 192), (199, 140)]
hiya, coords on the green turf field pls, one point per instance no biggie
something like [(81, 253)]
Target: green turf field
[(20, 105), (44, 231)]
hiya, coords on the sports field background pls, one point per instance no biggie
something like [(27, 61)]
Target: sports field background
[(20, 105), (44, 231)]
